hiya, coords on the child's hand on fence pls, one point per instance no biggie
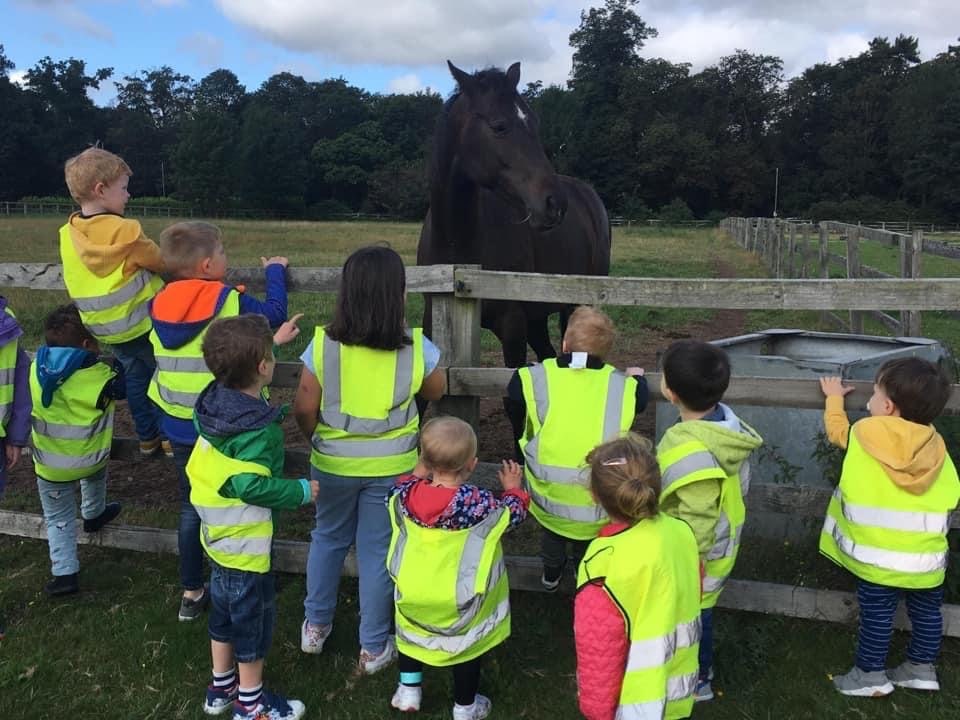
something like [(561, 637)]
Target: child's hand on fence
[(275, 260), (13, 456), (510, 475), (834, 387), (287, 331), (634, 371), (314, 490)]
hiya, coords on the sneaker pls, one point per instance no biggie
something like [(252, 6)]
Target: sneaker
[(110, 511), (916, 676), (149, 447), (270, 707), (375, 663), (480, 709), (62, 585), (191, 609), (220, 700), (167, 448), (704, 691), (406, 698), (313, 637), (550, 578), (863, 684)]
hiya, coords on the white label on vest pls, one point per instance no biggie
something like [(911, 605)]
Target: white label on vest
[(578, 360)]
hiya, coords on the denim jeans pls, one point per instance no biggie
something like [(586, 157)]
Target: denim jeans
[(706, 642), (59, 501), (188, 535), (243, 609), (351, 509), (136, 357)]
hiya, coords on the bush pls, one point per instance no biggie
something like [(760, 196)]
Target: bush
[(676, 212)]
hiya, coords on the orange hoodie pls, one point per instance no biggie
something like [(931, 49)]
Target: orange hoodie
[(105, 241), (911, 455)]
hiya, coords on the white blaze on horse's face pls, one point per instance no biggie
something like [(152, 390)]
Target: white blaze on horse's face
[(522, 115)]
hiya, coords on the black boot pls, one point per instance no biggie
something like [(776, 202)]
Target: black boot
[(62, 585), (110, 511)]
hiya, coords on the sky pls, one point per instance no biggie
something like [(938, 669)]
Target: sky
[(402, 45)]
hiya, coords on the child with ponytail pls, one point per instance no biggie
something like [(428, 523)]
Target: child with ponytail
[(637, 609)]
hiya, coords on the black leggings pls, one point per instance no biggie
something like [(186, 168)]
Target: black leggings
[(466, 677)]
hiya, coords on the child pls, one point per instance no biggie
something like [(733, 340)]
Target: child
[(73, 403), (15, 405), (108, 268), (572, 403), (356, 404), (887, 521), (446, 560), (704, 471), (181, 313), (637, 610), (236, 477)]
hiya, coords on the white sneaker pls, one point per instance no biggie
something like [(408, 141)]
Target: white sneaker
[(371, 663), (406, 698), (312, 637), (480, 709)]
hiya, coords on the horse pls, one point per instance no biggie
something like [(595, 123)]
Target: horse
[(496, 201)]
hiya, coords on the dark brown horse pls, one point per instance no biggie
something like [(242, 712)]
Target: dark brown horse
[(496, 201)]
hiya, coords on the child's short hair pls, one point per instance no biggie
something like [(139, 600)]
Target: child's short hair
[(625, 478), (184, 244), (234, 347), (64, 328), (590, 330), (697, 372), (919, 388), (447, 444), (94, 165)]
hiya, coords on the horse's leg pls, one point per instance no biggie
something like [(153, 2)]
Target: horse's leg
[(427, 324), (538, 335)]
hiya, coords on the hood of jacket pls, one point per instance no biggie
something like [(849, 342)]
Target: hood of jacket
[(222, 412), (55, 365), (182, 309), (910, 454), (114, 237), (10, 329), (730, 440)]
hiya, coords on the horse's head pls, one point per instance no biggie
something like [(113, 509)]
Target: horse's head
[(498, 144)]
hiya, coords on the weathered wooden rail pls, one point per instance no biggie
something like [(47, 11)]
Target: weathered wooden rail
[(457, 291)]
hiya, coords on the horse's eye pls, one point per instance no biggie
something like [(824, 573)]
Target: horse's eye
[(499, 127)]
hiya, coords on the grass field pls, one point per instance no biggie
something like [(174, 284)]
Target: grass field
[(117, 650)]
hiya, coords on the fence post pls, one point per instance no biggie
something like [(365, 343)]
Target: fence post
[(853, 272), (824, 250), (804, 249), (791, 248), (911, 250), (456, 332)]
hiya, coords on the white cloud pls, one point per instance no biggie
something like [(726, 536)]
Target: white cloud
[(405, 84), (68, 15), (18, 77), (203, 47)]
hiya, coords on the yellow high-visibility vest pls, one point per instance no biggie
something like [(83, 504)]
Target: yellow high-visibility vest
[(234, 534), (368, 424), (569, 412), (8, 371), (454, 606), (883, 534), (72, 437), (651, 572), (182, 373), (113, 308)]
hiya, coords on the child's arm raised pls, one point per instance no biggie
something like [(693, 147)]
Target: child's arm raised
[(274, 307), (836, 424)]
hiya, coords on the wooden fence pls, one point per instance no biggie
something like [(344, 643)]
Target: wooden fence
[(456, 291)]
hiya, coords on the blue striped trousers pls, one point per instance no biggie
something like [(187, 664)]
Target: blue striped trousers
[(878, 603)]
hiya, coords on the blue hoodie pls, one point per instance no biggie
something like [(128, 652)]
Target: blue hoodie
[(55, 365)]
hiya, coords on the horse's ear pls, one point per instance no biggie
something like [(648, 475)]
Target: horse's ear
[(513, 74), (464, 79)]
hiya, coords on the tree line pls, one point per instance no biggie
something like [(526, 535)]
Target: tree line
[(875, 136)]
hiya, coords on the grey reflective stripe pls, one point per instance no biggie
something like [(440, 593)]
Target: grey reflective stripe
[(401, 544), (7, 375), (376, 448), (711, 583), (117, 326), (744, 475), (70, 462), (458, 643), (177, 397), (723, 544), (237, 545), (538, 377), (905, 562), (614, 407), (62, 431), (921, 522), (693, 462), (645, 654), (576, 513), (118, 297), (399, 414), (234, 514), (653, 710), (182, 364), (550, 473)]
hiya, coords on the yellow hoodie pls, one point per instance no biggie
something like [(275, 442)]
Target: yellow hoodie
[(105, 241), (911, 455)]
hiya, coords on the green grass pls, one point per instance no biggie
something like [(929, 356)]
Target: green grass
[(117, 651)]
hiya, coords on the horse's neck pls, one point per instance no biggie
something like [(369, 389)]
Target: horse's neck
[(455, 217)]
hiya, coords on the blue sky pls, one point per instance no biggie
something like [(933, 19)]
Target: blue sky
[(402, 45)]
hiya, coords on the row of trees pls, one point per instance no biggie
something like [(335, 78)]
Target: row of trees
[(876, 133)]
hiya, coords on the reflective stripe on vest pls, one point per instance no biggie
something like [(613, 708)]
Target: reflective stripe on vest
[(658, 651), (362, 447), (8, 372), (569, 512), (696, 463), (678, 688), (923, 522), (903, 562), (460, 643), (64, 431)]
